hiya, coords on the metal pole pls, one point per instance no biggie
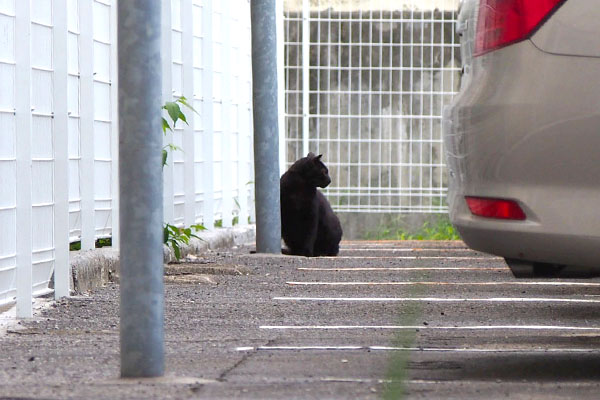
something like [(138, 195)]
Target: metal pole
[(266, 132), (140, 188)]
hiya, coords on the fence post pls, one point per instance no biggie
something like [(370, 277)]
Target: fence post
[(305, 75), (226, 135), (140, 173), (114, 130), (23, 163), (167, 95), (187, 25), (243, 114), (208, 211), (266, 133), (86, 166), (279, 17), (61, 153)]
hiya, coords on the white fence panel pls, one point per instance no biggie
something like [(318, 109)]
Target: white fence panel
[(65, 156), (8, 156)]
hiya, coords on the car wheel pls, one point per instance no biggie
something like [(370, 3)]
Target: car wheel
[(529, 269)]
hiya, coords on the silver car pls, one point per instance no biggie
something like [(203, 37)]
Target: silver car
[(523, 135)]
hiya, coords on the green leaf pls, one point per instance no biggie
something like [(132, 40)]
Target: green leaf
[(183, 118), (184, 101), (173, 110), (165, 154), (176, 249), (165, 235), (165, 126), (174, 229), (198, 227), (173, 147)]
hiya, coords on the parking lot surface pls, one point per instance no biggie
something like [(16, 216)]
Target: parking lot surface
[(431, 320)]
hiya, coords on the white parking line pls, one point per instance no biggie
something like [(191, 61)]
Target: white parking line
[(407, 250), (487, 258), (501, 283), (441, 299), (430, 327), (355, 269), (449, 244), (422, 349)]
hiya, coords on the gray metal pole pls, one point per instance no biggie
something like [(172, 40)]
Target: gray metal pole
[(266, 137), (140, 188)]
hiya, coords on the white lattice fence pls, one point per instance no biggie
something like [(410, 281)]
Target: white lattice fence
[(365, 84), (58, 175)]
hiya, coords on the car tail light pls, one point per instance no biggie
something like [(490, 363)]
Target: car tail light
[(503, 22), (495, 208)]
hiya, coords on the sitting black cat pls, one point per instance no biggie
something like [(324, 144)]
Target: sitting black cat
[(308, 225)]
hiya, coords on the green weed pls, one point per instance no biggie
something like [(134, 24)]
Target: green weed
[(440, 229)]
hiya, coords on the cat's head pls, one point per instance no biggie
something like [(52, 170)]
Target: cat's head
[(315, 172)]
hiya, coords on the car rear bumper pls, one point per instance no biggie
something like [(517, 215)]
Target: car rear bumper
[(526, 127), (526, 240)]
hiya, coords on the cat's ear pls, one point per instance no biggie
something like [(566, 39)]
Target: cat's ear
[(310, 155), (319, 156)]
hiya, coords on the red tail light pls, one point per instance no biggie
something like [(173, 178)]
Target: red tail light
[(503, 22), (495, 208)]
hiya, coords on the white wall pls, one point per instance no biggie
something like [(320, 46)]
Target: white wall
[(59, 133)]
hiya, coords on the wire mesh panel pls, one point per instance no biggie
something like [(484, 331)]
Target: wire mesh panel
[(365, 85)]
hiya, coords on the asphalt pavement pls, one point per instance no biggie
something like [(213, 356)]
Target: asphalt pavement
[(384, 320)]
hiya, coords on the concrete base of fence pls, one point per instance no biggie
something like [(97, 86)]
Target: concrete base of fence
[(357, 225), (94, 268)]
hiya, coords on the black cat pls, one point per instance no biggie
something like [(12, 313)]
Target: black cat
[(308, 225)]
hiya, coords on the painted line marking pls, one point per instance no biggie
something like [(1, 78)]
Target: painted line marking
[(490, 258), (430, 327), (442, 299), (406, 250), (419, 349), (452, 243), (502, 283), (404, 269)]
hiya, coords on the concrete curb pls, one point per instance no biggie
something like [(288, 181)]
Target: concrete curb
[(93, 268)]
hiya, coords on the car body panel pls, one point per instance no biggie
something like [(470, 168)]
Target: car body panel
[(572, 30), (526, 127)]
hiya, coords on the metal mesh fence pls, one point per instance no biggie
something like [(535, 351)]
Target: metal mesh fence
[(365, 85)]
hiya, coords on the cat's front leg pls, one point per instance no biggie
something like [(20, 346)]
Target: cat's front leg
[(308, 250)]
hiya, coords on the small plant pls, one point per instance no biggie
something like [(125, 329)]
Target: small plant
[(103, 242), (174, 236), (440, 229), (174, 112)]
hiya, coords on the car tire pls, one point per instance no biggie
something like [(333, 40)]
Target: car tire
[(529, 269)]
